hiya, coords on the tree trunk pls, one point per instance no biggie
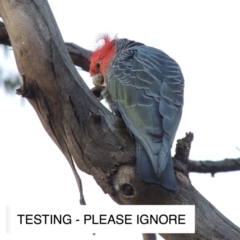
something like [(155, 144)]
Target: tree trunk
[(84, 130)]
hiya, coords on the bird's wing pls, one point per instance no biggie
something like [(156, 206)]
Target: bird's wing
[(146, 86)]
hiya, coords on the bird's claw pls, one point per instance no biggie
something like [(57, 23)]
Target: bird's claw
[(97, 92)]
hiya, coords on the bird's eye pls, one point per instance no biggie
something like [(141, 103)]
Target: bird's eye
[(98, 65)]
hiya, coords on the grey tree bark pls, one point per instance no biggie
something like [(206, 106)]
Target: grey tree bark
[(82, 128)]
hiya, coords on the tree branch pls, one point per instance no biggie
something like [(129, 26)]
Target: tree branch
[(4, 38), (79, 55), (213, 167), (149, 236), (80, 58), (83, 129)]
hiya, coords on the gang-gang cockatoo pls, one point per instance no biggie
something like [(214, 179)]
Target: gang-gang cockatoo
[(145, 87)]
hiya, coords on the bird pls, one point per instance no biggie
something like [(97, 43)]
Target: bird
[(145, 87)]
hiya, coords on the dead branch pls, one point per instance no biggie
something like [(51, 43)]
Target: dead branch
[(149, 236), (207, 166), (83, 129), (79, 55)]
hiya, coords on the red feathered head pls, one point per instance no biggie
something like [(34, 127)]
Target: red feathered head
[(102, 56)]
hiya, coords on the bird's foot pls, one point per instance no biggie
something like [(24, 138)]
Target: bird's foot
[(97, 92)]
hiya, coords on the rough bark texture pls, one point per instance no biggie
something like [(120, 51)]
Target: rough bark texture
[(83, 129), (79, 55), (149, 236), (213, 167)]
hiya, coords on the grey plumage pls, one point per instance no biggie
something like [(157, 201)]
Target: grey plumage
[(145, 86)]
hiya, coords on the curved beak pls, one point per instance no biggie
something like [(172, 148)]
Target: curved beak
[(98, 80)]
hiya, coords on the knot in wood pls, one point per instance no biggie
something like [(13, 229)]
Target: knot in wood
[(127, 190), (95, 118)]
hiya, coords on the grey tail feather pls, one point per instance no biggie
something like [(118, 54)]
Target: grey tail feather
[(147, 174)]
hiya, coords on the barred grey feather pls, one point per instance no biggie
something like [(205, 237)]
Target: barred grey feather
[(146, 87)]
